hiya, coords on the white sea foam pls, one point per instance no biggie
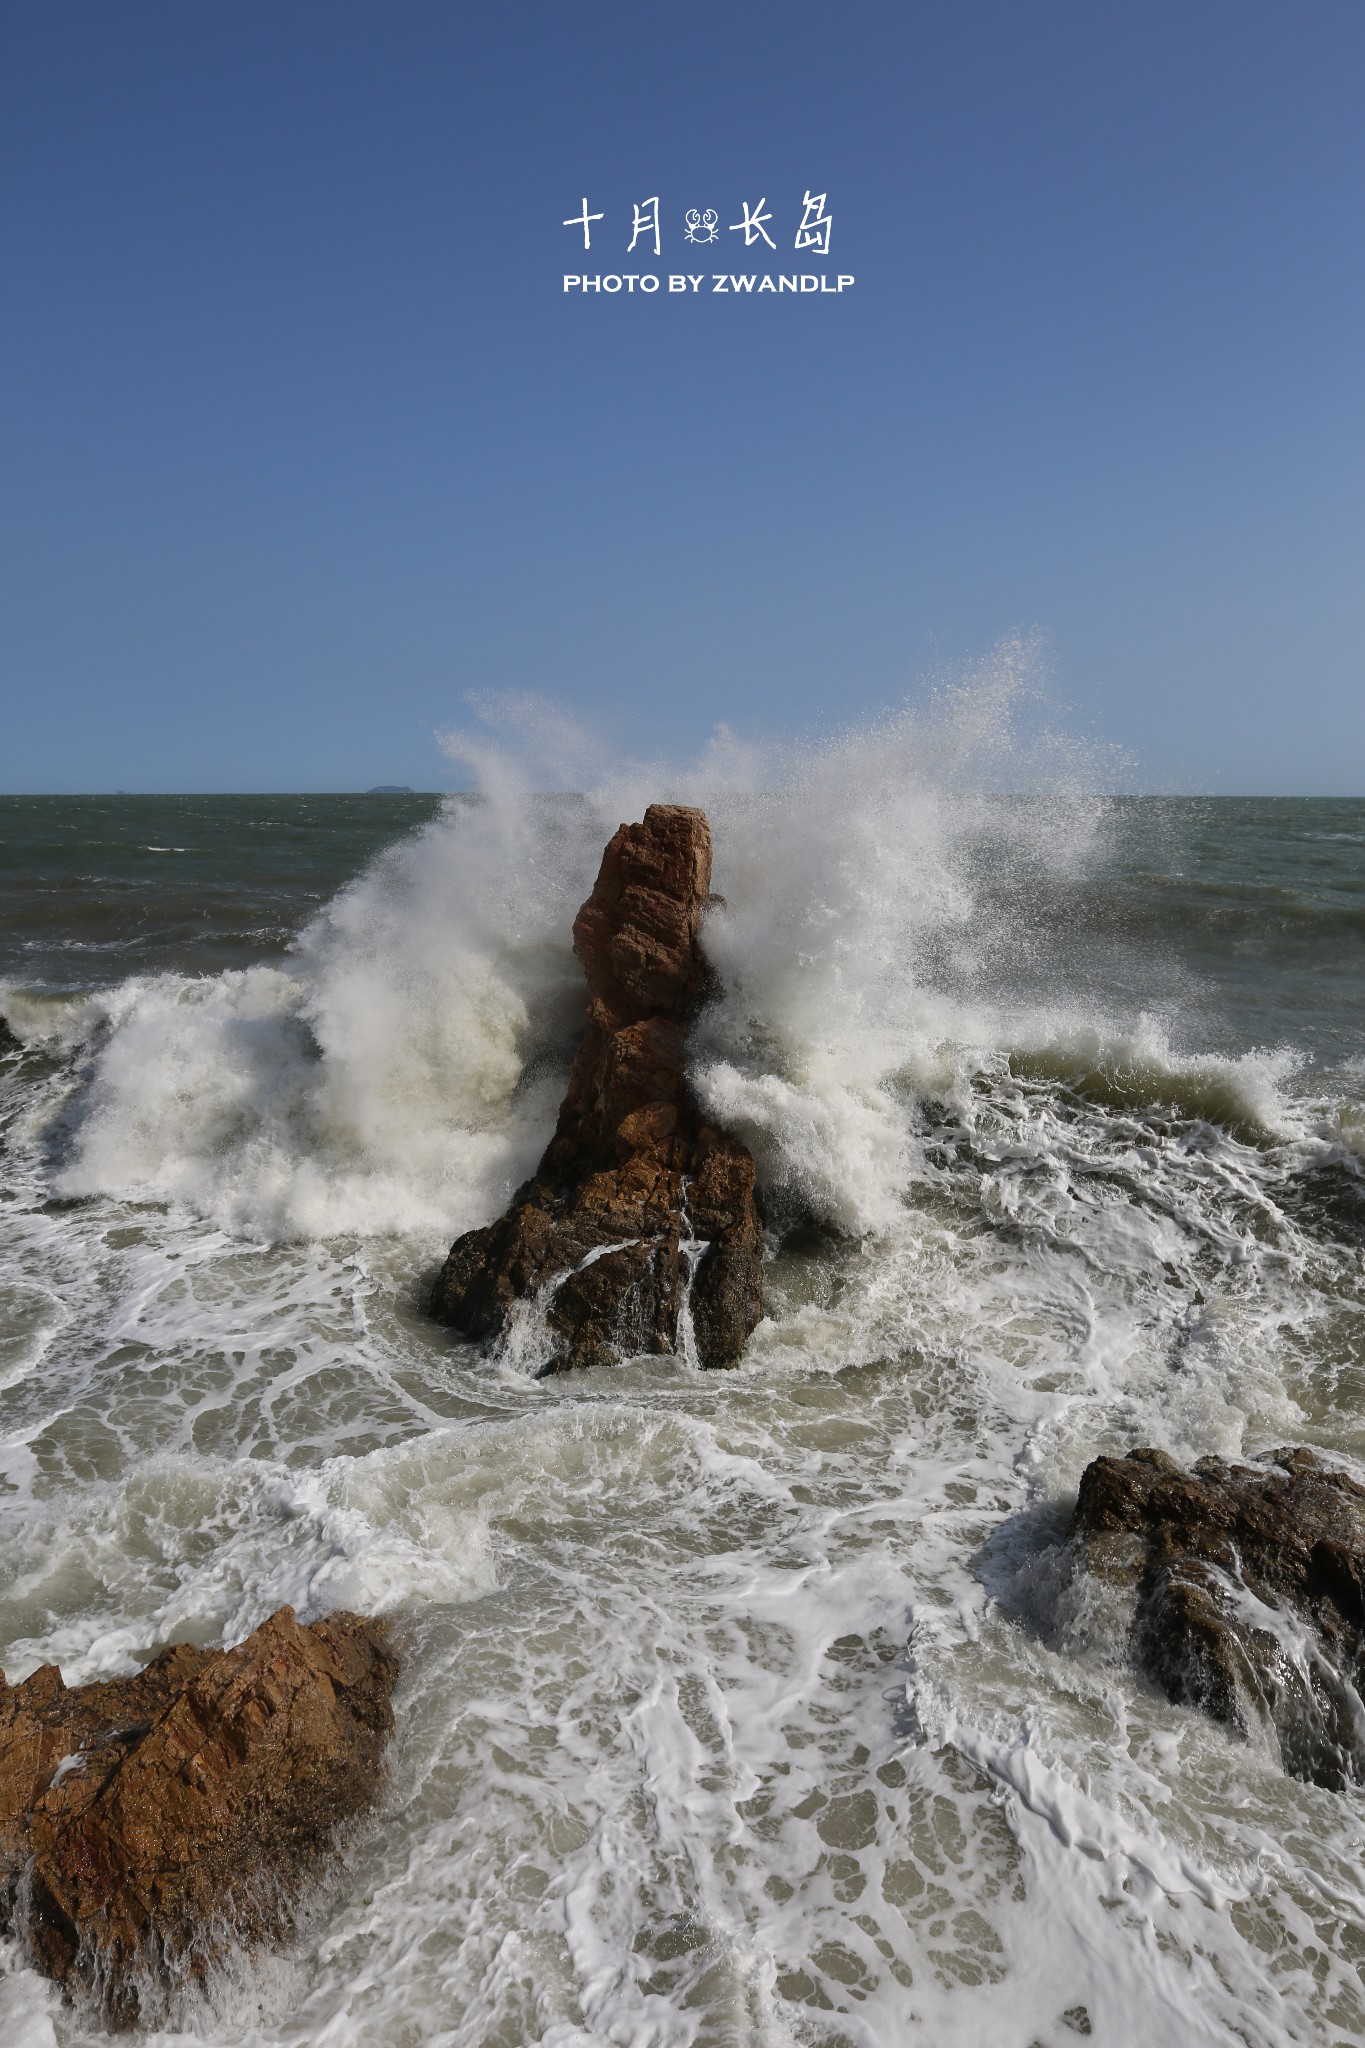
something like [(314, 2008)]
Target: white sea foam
[(757, 1707)]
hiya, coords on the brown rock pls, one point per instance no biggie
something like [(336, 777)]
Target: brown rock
[(1250, 1583), (149, 1824), (641, 1217)]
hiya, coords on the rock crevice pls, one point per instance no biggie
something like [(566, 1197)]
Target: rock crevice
[(641, 1229)]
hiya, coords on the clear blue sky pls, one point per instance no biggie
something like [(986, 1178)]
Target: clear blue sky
[(302, 441)]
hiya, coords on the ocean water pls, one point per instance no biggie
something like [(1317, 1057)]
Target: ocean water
[(742, 1708)]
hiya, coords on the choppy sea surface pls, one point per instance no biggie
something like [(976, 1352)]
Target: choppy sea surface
[(736, 1708)]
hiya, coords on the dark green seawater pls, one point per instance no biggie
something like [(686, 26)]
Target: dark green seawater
[(96, 887)]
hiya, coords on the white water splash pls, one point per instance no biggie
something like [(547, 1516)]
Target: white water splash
[(402, 1072)]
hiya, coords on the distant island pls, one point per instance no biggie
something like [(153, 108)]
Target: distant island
[(390, 789)]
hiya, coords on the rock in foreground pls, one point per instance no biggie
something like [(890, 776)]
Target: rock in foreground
[(641, 1228), (1250, 1583), (150, 1824)]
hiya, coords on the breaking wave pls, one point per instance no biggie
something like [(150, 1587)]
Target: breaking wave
[(889, 929)]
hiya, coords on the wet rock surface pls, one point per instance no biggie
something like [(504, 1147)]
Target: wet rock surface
[(149, 1825), (1250, 1585), (641, 1229)]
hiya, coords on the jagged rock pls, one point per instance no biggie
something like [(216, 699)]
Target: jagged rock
[(149, 1824), (639, 1208), (1250, 1584)]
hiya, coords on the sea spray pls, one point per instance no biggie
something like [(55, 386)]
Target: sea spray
[(401, 1071)]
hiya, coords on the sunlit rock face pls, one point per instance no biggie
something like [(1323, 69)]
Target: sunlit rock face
[(641, 1230), (148, 1825)]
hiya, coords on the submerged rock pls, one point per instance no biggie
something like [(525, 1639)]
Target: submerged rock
[(1250, 1584), (148, 1825), (641, 1217)]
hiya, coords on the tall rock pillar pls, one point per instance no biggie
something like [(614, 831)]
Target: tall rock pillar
[(641, 1228)]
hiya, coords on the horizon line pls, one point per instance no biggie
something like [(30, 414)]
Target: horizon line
[(1152, 795)]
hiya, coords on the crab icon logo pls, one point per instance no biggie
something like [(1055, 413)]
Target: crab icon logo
[(701, 227)]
